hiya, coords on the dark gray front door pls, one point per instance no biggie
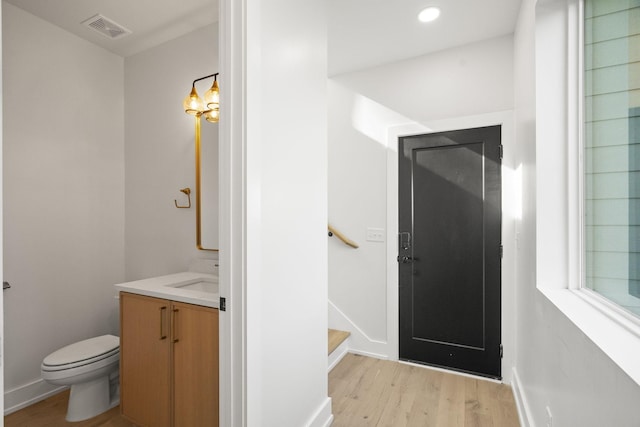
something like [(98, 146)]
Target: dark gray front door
[(450, 249)]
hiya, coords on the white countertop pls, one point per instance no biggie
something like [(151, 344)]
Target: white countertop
[(168, 287)]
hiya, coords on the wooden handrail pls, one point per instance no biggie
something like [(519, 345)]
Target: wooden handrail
[(342, 237)]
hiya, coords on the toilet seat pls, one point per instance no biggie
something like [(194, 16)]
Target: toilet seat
[(101, 350)]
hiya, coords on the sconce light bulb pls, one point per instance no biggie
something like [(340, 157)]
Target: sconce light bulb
[(192, 104), (212, 96), (212, 116)]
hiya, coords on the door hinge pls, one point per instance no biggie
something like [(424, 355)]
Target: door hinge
[(501, 251), (223, 304), (501, 352), (500, 151)]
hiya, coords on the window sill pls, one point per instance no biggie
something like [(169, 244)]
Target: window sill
[(615, 335)]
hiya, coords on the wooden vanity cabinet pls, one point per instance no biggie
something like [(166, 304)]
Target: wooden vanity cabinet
[(195, 365), (145, 360), (168, 362)]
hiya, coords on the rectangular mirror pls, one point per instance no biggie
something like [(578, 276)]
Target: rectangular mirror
[(207, 185)]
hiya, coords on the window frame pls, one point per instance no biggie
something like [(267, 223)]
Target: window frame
[(560, 255), (598, 300)]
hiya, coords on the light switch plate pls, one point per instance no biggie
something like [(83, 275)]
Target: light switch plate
[(375, 235)]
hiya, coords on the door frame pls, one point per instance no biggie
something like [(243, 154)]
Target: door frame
[(232, 220), (1, 237), (511, 214)]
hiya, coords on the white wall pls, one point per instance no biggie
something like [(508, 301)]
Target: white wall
[(471, 79), (557, 365), (286, 213), (357, 200), (1, 240), (63, 193), (364, 108), (159, 152)]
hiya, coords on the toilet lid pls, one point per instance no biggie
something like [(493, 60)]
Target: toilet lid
[(83, 351)]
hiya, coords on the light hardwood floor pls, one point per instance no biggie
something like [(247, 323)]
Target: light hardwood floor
[(51, 412), (365, 392), (381, 393)]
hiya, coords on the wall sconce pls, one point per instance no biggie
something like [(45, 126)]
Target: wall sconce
[(210, 107)]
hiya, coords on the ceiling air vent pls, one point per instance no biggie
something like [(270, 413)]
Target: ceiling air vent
[(106, 27)]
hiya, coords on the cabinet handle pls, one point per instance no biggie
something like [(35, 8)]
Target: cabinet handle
[(162, 334), (174, 325)]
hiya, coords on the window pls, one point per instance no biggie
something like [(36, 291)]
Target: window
[(561, 161), (612, 150)]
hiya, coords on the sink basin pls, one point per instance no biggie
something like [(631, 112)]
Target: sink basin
[(188, 287), (199, 285)]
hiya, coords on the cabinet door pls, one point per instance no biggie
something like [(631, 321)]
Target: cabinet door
[(145, 360), (195, 365)]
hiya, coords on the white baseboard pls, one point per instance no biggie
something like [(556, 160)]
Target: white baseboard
[(323, 416), (28, 394), (369, 354), (338, 354), (524, 412), (360, 343)]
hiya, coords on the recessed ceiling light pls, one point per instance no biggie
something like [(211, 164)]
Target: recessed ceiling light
[(429, 14)]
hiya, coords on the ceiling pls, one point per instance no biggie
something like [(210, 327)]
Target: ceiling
[(366, 33), (362, 33), (152, 22)]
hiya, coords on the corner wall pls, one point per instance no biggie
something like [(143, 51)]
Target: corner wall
[(557, 366), (159, 152), (65, 102), (63, 161), (285, 187)]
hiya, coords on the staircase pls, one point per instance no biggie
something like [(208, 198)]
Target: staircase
[(338, 346)]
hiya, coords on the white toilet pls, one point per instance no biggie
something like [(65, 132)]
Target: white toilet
[(91, 368)]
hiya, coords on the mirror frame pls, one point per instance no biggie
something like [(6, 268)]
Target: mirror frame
[(198, 186)]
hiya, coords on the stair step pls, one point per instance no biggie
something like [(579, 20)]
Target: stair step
[(336, 338)]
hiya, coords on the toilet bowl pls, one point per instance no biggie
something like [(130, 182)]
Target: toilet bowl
[(90, 367)]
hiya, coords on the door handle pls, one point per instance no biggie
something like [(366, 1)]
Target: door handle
[(162, 312), (406, 259), (174, 325)]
